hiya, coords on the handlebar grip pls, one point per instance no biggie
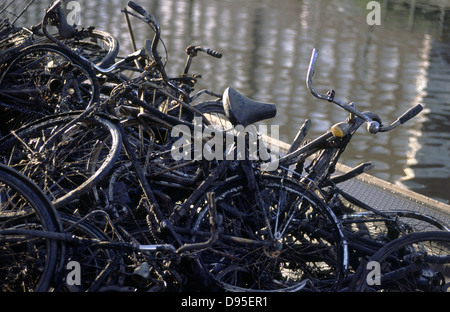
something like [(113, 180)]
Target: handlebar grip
[(137, 8), (213, 53), (412, 112), (147, 17)]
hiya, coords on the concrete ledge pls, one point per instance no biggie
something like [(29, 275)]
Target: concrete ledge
[(384, 195)]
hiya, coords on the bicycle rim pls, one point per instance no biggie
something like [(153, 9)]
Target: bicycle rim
[(301, 247), (417, 262), (72, 163), (28, 262), (43, 80)]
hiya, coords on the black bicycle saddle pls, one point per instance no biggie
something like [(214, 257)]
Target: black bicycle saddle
[(241, 110)]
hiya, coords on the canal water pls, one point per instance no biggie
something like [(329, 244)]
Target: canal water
[(386, 61)]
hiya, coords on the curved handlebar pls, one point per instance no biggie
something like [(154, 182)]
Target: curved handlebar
[(373, 126), (152, 48)]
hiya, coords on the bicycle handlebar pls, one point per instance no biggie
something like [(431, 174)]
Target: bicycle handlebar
[(146, 16), (152, 48), (208, 51), (373, 126), (191, 51)]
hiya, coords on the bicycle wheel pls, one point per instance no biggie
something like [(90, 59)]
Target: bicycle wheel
[(95, 260), (368, 229), (98, 46), (414, 262), (42, 80), (67, 164), (28, 261), (280, 238)]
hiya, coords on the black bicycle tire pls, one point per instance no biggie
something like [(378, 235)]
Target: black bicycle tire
[(92, 259), (237, 185), (75, 59), (9, 141), (359, 284), (48, 218), (111, 41)]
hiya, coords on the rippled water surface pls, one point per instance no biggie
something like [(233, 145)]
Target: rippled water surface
[(267, 44)]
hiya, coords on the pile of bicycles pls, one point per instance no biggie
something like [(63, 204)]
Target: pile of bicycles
[(102, 187)]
